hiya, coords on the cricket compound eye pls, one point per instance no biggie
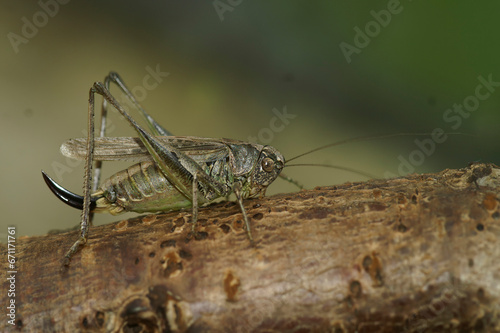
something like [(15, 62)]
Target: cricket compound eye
[(268, 164)]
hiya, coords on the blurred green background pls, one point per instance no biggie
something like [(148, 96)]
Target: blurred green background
[(230, 63)]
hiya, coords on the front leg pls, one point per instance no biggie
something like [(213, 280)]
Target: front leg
[(237, 191), (195, 202)]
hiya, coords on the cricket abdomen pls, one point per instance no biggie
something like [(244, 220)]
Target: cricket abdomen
[(139, 188)]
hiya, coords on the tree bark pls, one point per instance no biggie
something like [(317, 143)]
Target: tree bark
[(413, 254)]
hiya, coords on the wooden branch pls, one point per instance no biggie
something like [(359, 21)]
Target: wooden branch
[(413, 254)]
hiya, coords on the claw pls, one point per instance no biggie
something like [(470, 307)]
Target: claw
[(69, 198)]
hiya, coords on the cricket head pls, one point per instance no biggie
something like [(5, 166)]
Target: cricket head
[(266, 169)]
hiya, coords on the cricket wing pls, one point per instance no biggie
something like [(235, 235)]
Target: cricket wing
[(132, 149)]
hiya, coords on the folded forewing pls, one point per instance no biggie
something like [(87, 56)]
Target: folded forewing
[(132, 149)]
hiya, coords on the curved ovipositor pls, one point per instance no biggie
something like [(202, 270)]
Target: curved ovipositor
[(69, 198)]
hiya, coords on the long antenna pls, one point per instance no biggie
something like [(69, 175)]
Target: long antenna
[(359, 172), (369, 137)]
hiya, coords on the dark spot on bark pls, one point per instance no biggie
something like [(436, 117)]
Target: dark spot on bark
[(231, 286), (201, 235), (157, 296), (402, 228), (178, 313), (379, 278), (136, 261), (168, 243), (414, 199), (19, 323), (338, 329), (85, 322), (258, 216), (185, 254), (438, 306), (179, 221), (355, 288), (170, 227), (214, 221), (479, 227), (202, 222), (99, 318), (132, 328), (64, 267), (152, 255), (479, 173), (225, 228), (367, 262), (471, 262), (483, 171), (229, 204), (490, 201), (373, 266), (315, 213), (479, 326), (495, 215), (480, 294), (133, 223)]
